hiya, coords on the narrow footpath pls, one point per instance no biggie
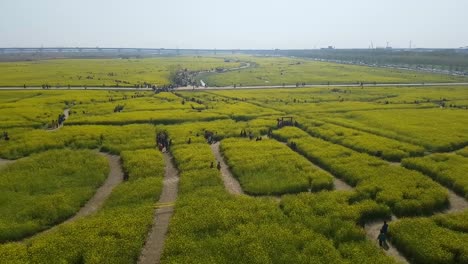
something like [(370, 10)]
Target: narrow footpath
[(154, 244), (230, 182), (115, 177), (373, 230)]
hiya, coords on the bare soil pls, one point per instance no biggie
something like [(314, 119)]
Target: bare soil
[(457, 203), (154, 244), (341, 185)]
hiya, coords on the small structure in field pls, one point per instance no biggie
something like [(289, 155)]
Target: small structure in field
[(285, 121)]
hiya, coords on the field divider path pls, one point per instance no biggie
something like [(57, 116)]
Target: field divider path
[(154, 244), (114, 178), (230, 182)]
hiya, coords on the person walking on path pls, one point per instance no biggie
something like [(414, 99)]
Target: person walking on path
[(384, 228), (382, 239)]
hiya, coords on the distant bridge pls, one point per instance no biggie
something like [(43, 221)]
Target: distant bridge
[(119, 50)]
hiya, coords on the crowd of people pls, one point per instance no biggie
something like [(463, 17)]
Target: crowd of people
[(163, 141)]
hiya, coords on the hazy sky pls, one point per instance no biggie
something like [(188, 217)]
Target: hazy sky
[(244, 24)]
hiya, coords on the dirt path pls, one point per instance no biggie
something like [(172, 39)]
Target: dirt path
[(457, 203), (230, 183), (341, 185), (5, 162), (154, 244), (373, 230), (97, 201)]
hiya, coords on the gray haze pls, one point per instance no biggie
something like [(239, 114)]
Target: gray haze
[(244, 24)]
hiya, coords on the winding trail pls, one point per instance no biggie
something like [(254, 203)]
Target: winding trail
[(154, 244), (457, 203), (114, 178), (230, 183)]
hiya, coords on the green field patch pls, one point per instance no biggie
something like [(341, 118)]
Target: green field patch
[(448, 169), (42, 190), (268, 167), (103, 72), (195, 131), (435, 129), (115, 234), (111, 139), (406, 192), (386, 148), (209, 225), (280, 70), (439, 239)]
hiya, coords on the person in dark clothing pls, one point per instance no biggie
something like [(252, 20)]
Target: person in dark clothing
[(219, 165), (384, 228), (211, 165), (382, 239)]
